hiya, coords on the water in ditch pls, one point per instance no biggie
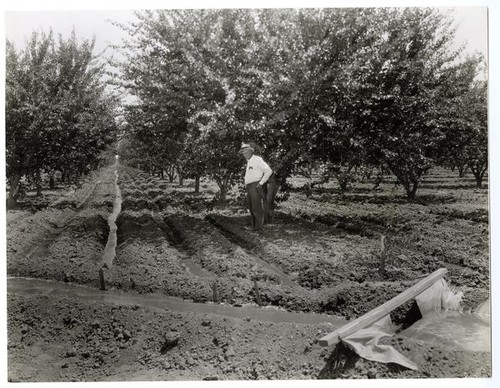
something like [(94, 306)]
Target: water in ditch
[(31, 286), (110, 249), (462, 331), (442, 321), (458, 330)]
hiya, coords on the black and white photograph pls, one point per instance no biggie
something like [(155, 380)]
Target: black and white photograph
[(240, 192)]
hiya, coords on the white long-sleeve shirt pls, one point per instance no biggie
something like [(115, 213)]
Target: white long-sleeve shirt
[(257, 170)]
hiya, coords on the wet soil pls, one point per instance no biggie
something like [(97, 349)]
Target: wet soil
[(321, 255)]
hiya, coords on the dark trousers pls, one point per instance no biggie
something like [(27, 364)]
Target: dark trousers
[(256, 197), (261, 202)]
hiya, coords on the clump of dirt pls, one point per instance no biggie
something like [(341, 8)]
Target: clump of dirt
[(90, 225), (137, 226), (65, 203), (128, 191), (474, 297), (153, 193), (352, 300), (162, 202), (106, 202), (479, 215), (34, 204), (134, 204), (349, 225), (319, 275)]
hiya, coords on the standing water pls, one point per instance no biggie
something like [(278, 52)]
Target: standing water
[(465, 331), (444, 323), (110, 250)]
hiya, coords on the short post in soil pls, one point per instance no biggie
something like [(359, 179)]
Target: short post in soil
[(231, 297), (257, 294), (382, 256), (102, 283), (215, 292)]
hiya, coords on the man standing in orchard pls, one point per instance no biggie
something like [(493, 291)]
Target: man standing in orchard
[(257, 174)]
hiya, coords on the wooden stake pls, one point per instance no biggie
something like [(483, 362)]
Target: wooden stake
[(231, 298), (215, 292), (257, 294), (381, 267), (381, 311), (101, 280)]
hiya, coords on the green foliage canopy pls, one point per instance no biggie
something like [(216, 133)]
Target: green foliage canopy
[(342, 87), (59, 115)]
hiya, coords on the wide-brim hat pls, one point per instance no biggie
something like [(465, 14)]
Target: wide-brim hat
[(245, 146)]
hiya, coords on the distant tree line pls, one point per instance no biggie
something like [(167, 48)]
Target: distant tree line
[(59, 116), (346, 90)]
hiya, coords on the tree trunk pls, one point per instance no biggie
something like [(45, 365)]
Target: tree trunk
[(171, 174), (52, 182), (479, 169), (379, 178), (462, 170), (11, 202), (181, 180), (343, 181), (479, 175), (223, 195), (408, 178), (38, 180), (223, 189), (411, 190), (197, 184), (13, 191)]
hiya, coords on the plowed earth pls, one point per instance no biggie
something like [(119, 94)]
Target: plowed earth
[(320, 256)]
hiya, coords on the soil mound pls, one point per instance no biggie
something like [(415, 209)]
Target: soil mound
[(234, 231), (135, 204), (95, 225), (137, 227)]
